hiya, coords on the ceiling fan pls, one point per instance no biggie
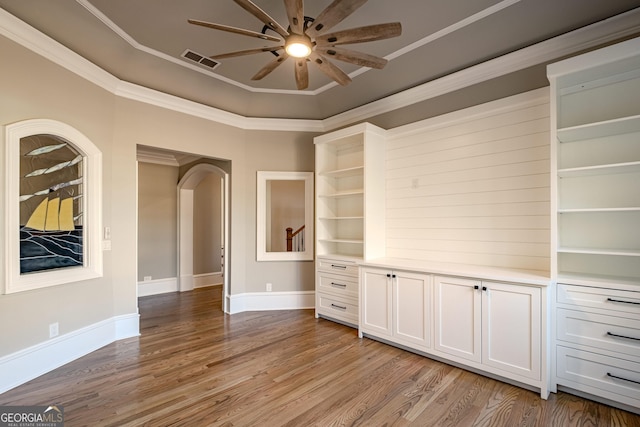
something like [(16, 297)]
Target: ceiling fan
[(306, 39)]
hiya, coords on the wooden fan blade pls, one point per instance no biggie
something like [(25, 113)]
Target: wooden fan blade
[(353, 57), (302, 73), (234, 30), (250, 7), (329, 69), (332, 15), (361, 34), (246, 52), (270, 66), (295, 13)]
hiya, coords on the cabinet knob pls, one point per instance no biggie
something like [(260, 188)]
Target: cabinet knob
[(484, 288), (476, 287)]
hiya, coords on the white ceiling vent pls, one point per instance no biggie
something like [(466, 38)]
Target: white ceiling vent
[(200, 59)]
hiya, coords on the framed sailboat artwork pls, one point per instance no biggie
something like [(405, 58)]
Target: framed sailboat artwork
[(50, 204), (53, 201)]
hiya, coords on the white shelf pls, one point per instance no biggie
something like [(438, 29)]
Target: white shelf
[(592, 251), (349, 241), (340, 218), (595, 210), (599, 281), (627, 167), (341, 194), (344, 173), (599, 129)]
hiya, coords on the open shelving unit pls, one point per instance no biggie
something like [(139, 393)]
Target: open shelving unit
[(596, 138), (350, 192)]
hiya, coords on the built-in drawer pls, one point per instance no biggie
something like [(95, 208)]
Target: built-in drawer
[(600, 298), (337, 284), (609, 377), (600, 331), (337, 266), (340, 308)]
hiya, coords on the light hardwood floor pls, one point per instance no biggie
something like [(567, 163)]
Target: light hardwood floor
[(195, 366)]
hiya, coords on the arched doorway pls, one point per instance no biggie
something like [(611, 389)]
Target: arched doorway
[(186, 188)]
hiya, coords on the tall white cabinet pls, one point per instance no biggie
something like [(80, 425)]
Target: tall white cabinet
[(595, 101), (350, 213)]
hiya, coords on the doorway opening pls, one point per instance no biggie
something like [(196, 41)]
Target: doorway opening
[(186, 209)]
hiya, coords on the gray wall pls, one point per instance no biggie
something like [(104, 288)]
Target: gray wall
[(275, 151), (33, 87), (207, 239), (157, 216)]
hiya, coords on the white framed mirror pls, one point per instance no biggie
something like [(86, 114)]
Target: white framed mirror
[(284, 228)]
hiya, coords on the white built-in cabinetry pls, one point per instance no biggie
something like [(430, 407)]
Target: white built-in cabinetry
[(350, 226), (495, 325), (498, 327), (396, 305), (595, 106), (491, 326)]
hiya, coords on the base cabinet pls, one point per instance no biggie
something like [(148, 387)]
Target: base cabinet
[(598, 342), (496, 325), (457, 317), (337, 290), (396, 305)]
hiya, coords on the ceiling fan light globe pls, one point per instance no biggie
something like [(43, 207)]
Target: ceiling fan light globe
[(298, 46), (298, 50)]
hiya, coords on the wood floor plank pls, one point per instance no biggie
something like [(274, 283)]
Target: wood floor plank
[(193, 365)]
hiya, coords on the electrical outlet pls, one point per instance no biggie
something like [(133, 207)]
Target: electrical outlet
[(147, 278), (269, 287), (53, 330)]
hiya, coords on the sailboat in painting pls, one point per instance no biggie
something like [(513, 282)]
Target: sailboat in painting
[(53, 215)]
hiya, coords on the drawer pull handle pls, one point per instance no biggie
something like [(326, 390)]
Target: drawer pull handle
[(344, 267), (624, 302), (623, 379), (622, 336), (338, 306), (340, 285)]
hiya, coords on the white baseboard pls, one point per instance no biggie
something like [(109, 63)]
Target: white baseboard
[(207, 279), (158, 286), (30, 363), (260, 301)]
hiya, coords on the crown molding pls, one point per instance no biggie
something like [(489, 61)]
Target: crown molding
[(25, 35), (20, 32), (608, 30), (584, 38)]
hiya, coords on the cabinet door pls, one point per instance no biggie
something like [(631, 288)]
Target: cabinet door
[(457, 317), (511, 328), (375, 317), (412, 308)]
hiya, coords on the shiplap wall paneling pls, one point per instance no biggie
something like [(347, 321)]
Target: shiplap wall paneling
[(473, 189)]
